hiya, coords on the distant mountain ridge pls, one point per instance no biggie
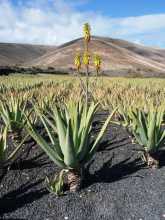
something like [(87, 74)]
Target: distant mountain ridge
[(117, 55), (19, 54)]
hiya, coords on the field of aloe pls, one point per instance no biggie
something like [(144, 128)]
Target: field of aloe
[(138, 104), (56, 102), (49, 112), (94, 131)]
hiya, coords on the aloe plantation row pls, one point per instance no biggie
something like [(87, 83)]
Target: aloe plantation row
[(71, 143)]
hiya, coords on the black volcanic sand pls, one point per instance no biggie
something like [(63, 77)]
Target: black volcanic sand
[(117, 186)]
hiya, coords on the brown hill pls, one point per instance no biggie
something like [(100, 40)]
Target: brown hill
[(116, 54), (119, 57), (18, 54)]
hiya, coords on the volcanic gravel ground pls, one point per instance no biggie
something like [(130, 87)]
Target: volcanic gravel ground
[(117, 186)]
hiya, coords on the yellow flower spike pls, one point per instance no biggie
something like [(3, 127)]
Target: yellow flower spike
[(77, 61), (86, 30), (86, 59), (97, 62)]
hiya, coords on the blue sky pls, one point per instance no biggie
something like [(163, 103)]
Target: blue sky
[(125, 8), (58, 21)]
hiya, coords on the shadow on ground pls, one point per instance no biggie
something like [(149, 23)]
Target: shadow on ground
[(110, 173), (111, 145), (34, 162), (18, 198), (161, 157)]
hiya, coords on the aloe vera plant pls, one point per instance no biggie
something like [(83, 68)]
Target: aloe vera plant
[(123, 117), (6, 159), (57, 184), (73, 148), (149, 133), (13, 115)]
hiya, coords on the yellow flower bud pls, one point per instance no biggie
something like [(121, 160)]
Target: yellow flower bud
[(77, 61), (86, 30), (97, 62), (86, 59)]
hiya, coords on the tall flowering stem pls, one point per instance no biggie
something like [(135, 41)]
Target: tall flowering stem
[(86, 56), (85, 60)]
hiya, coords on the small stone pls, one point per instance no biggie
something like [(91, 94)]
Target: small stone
[(163, 215), (66, 217)]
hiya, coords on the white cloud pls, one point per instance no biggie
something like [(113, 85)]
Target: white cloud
[(55, 22)]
